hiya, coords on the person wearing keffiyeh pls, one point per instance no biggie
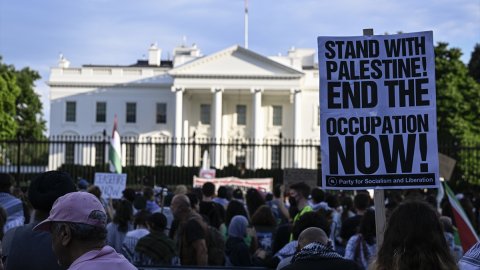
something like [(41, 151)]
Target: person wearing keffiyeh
[(316, 252)]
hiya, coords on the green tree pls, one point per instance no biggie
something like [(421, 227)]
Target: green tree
[(29, 108), (474, 63), (458, 110), (20, 107), (9, 92)]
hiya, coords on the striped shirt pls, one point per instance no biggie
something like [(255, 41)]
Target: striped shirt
[(14, 208), (471, 259)]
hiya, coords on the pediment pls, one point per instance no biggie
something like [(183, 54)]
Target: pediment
[(235, 61)]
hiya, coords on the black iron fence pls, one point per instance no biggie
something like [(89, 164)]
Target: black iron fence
[(168, 161)]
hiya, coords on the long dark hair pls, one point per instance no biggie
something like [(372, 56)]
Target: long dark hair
[(123, 215), (366, 235), (414, 240)]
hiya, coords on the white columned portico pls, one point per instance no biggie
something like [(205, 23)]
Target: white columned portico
[(258, 126), (297, 120), (217, 124), (177, 134)]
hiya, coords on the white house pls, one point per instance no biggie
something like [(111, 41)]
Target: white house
[(235, 93)]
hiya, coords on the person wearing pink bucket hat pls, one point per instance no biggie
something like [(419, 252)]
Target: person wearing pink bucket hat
[(77, 223)]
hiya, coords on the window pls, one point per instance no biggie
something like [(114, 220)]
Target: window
[(101, 115), (277, 116), (131, 112), (241, 115), (159, 154), (276, 157), (205, 114), (130, 154), (161, 113), (69, 153), (99, 154), (71, 112)]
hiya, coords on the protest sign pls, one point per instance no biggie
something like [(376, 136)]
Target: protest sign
[(111, 184), (378, 111)]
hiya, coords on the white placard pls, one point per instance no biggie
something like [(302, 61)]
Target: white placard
[(111, 184), (378, 111)]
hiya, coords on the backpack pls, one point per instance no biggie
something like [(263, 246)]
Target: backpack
[(216, 247)]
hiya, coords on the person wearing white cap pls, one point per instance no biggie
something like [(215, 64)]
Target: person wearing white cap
[(77, 223)]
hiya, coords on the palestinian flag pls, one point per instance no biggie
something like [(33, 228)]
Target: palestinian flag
[(114, 151), (468, 236)]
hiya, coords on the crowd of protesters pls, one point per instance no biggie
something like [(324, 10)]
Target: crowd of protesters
[(58, 224)]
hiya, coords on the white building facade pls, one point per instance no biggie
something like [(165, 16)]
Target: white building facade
[(234, 94)]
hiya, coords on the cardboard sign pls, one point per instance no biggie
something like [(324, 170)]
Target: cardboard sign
[(111, 184), (378, 111), (262, 184)]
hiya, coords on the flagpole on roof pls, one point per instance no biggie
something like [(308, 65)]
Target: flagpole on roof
[(246, 24)]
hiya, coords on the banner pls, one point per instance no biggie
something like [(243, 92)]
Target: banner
[(378, 111), (262, 184), (111, 184)]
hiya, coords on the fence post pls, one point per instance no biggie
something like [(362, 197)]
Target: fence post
[(280, 151), (194, 145), (105, 153), (17, 177)]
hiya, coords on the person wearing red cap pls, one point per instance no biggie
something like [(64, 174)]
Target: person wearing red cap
[(77, 223)]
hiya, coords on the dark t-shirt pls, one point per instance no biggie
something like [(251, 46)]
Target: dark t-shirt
[(194, 231), (26, 249)]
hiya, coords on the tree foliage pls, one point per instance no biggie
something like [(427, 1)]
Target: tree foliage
[(458, 110), (9, 91), (20, 107), (474, 63)]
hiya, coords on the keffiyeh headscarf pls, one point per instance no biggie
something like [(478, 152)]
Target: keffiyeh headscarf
[(238, 226), (316, 249)]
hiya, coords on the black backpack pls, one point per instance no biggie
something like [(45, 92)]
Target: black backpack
[(216, 247)]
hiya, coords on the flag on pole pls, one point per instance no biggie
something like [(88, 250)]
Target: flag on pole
[(114, 151), (467, 234)]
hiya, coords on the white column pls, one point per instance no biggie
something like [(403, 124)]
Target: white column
[(217, 123), (297, 120), (258, 126), (177, 133)]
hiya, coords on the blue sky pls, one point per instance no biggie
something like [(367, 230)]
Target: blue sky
[(34, 33)]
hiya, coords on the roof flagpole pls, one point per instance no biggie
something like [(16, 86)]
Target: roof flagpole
[(246, 24)]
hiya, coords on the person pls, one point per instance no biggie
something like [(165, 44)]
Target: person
[(265, 225), (318, 199), (236, 250), (362, 246), (254, 200), (121, 224), (82, 185), (3, 220), (156, 248), (152, 205), (361, 202), (471, 258), (22, 242), (316, 252), (190, 237), (309, 219), (414, 239), (12, 205), (77, 223), (221, 196), (132, 237), (95, 190), (278, 205), (299, 193)]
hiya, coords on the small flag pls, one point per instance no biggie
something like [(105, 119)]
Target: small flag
[(468, 236), (114, 151)]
